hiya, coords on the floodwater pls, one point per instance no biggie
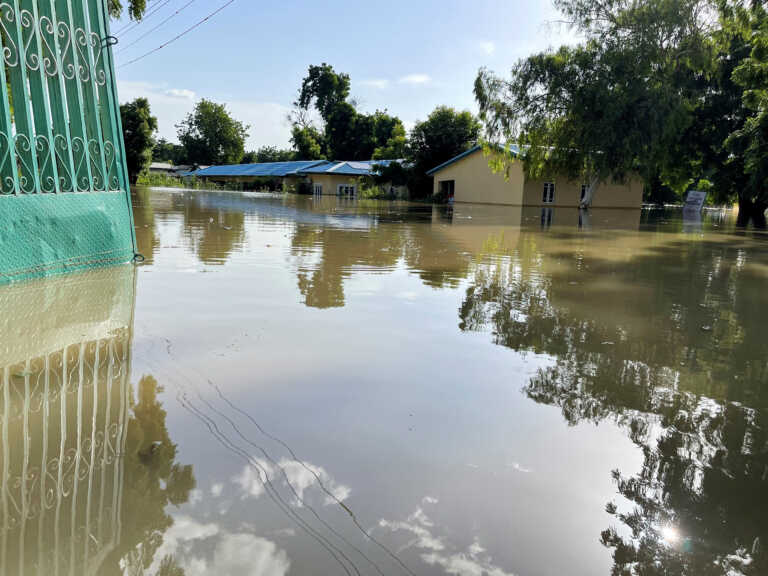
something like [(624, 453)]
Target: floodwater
[(290, 385)]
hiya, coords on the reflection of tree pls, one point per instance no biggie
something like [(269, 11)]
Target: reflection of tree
[(213, 232), (153, 479), (144, 222), (404, 235), (664, 340)]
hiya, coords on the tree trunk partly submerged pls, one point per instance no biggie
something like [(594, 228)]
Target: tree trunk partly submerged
[(751, 211)]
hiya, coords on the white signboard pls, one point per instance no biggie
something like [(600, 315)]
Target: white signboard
[(695, 200)]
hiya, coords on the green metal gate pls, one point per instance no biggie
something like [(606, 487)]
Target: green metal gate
[(64, 195)]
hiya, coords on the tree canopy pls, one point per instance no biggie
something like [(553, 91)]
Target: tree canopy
[(136, 9), (672, 90), (344, 133), (444, 134), (211, 135), (268, 154), (139, 128)]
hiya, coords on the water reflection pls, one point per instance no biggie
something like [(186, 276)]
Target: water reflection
[(635, 321), (665, 338), (87, 468)]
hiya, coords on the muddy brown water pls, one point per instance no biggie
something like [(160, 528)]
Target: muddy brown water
[(297, 385)]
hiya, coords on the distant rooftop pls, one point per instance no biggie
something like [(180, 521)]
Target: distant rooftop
[(349, 168), (281, 169), (276, 169)]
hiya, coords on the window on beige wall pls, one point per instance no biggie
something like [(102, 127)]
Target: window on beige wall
[(549, 193)]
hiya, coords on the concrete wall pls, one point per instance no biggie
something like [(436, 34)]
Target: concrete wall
[(568, 193), (331, 182), (476, 182)]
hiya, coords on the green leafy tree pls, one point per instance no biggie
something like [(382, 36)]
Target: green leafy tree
[(211, 135), (139, 127), (346, 134), (308, 142), (165, 151), (617, 103), (136, 8), (749, 142), (268, 154), (443, 135)]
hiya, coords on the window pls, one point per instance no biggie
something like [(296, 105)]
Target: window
[(583, 192), (318, 189), (549, 193), (447, 189), (346, 190)]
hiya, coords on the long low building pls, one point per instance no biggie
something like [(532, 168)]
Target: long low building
[(322, 177), (469, 178)]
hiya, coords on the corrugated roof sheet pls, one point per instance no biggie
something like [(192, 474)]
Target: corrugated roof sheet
[(349, 168), (277, 169)]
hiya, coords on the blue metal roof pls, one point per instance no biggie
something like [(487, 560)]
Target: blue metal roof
[(276, 169), (515, 150), (349, 168)]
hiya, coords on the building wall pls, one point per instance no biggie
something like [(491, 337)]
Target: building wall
[(568, 193), (330, 182), (476, 182)]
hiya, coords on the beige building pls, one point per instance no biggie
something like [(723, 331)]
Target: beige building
[(468, 178)]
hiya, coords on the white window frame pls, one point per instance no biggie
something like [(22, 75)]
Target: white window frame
[(318, 189), (549, 193)]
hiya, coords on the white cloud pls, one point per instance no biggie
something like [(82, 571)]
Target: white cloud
[(217, 489), (488, 47), (378, 83), (181, 93), (269, 126), (415, 79)]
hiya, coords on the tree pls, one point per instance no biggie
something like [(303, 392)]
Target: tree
[(139, 127), (749, 142), (617, 103), (211, 136), (443, 135), (136, 9), (345, 134), (165, 151), (308, 143), (268, 154)]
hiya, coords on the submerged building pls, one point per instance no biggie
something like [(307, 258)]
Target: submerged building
[(321, 177), (468, 178)]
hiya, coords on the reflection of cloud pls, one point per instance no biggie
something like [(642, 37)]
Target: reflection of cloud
[(301, 476), (242, 555), (195, 497), (472, 562), (233, 555), (183, 531), (519, 468), (251, 480), (217, 489)]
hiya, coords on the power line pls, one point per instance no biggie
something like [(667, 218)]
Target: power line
[(129, 27), (174, 39), (148, 32)]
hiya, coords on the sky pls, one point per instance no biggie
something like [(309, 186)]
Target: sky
[(403, 56)]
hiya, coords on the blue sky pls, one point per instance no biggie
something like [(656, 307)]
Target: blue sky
[(405, 56)]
